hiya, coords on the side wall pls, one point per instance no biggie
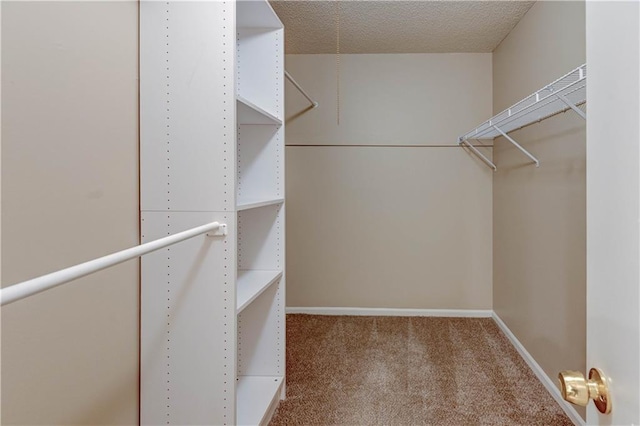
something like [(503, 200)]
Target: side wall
[(388, 227), (540, 213), (70, 194)]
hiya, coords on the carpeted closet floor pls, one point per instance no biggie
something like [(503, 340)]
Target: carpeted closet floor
[(347, 370)]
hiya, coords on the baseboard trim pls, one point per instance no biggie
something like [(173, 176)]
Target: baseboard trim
[(539, 372), (392, 312)]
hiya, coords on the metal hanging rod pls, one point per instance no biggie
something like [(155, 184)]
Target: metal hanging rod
[(384, 145), (37, 285), (567, 92), (295, 83)]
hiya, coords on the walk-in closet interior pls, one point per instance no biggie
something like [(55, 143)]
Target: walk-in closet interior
[(317, 212)]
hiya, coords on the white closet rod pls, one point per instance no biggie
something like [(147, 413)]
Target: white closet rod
[(45, 282), (295, 83), (364, 145)]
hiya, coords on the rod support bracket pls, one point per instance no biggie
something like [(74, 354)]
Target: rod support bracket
[(220, 232), (462, 142), (571, 105)]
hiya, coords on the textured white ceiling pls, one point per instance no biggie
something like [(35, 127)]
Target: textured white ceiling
[(377, 26)]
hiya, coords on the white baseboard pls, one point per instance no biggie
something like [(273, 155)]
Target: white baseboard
[(539, 372), (392, 312)]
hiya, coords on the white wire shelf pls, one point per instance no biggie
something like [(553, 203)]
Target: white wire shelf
[(567, 92)]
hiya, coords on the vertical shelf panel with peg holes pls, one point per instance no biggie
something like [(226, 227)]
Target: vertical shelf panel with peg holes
[(212, 148)]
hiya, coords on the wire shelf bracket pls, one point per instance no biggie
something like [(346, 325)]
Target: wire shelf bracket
[(517, 145), (479, 154), (566, 93)]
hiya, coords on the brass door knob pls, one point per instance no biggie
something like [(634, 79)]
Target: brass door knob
[(577, 390)]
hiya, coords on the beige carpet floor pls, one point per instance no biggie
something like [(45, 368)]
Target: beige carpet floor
[(344, 370)]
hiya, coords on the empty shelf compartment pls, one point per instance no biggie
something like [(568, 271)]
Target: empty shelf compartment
[(256, 396)]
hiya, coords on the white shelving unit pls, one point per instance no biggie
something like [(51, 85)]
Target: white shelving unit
[(260, 213), (212, 148), (567, 92)]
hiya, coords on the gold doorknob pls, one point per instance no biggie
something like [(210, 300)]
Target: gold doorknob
[(577, 390)]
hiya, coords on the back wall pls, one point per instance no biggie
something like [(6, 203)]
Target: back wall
[(394, 226)]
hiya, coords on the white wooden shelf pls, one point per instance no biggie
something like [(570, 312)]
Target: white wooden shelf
[(256, 14), (255, 396), (567, 92), (254, 203), (250, 113), (252, 283)]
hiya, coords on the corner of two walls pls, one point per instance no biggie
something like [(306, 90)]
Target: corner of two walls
[(433, 228), (539, 226)]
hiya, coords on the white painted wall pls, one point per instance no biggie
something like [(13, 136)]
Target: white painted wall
[(392, 227), (70, 194), (388, 99)]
